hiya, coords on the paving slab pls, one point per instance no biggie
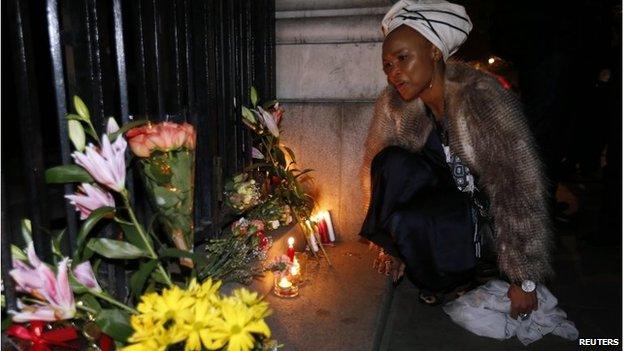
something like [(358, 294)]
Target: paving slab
[(337, 307)]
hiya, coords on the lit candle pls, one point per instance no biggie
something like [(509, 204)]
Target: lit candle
[(322, 228), (291, 249), (284, 283), (294, 270), (330, 226)]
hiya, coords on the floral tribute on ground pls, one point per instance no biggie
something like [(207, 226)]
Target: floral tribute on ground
[(63, 305), (271, 187)]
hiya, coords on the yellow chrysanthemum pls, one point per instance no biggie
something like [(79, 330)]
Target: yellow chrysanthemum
[(148, 301), (144, 328), (237, 327), (172, 305), (259, 307), (154, 338), (205, 289), (197, 328)]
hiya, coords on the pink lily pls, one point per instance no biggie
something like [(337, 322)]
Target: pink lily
[(276, 111), (42, 284), (90, 198), (255, 153), (268, 121), (85, 276), (107, 165)]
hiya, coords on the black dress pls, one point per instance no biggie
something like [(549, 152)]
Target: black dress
[(417, 213)]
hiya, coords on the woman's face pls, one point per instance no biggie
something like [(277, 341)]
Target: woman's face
[(408, 61)]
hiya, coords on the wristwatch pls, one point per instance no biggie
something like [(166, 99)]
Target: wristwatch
[(528, 286)]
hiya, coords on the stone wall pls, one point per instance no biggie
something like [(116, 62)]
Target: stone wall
[(328, 76)]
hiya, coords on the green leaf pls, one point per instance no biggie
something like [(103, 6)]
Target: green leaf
[(307, 170), (164, 197), (18, 254), (115, 249), (7, 322), (172, 252), (115, 323), (56, 243), (138, 279), (133, 237), (253, 95), (159, 277), (81, 108), (281, 158), (290, 153), (75, 117), (88, 225), (268, 104), (76, 286), (91, 302), (248, 115), (76, 134), (67, 174), (126, 127), (26, 227)]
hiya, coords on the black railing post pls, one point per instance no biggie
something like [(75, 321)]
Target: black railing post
[(58, 74), (29, 124), (7, 262)]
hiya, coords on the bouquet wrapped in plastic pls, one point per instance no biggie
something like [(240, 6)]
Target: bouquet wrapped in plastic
[(167, 161)]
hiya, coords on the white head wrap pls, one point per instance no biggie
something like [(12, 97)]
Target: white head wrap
[(444, 24)]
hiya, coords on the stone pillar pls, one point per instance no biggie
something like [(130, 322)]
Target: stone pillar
[(328, 77)]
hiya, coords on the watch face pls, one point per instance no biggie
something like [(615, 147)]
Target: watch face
[(528, 286)]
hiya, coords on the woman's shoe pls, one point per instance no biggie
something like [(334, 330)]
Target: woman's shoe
[(430, 298)]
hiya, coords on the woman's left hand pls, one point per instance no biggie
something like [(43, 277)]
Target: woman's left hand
[(521, 301)]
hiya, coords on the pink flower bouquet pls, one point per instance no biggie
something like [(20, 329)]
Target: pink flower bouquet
[(167, 162)]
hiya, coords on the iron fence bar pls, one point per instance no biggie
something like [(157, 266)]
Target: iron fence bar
[(58, 74), (142, 103), (95, 63), (247, 79), (116, 271), (204, 103), (188, 59), (157, 61), (120, 54), (30, 126), (269, 48), (176, 58), (122, 79), (7, 261)]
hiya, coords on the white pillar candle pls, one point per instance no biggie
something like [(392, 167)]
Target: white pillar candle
[(313, 241)]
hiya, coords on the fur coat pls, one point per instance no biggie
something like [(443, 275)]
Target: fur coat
[(488, 131)]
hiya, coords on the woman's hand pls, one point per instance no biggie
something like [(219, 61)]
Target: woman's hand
[(521, 301), (388, 264)]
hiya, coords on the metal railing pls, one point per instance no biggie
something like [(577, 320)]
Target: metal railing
[(150, 58)]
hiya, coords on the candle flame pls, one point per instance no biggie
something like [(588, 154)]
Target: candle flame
[(291, 241), (284, 283)]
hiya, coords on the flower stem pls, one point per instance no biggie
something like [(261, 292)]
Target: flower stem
[(86, 309), (151, 252), (104, 296)]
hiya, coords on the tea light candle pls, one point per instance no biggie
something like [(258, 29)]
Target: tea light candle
[(284, 283), (291, 249)]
